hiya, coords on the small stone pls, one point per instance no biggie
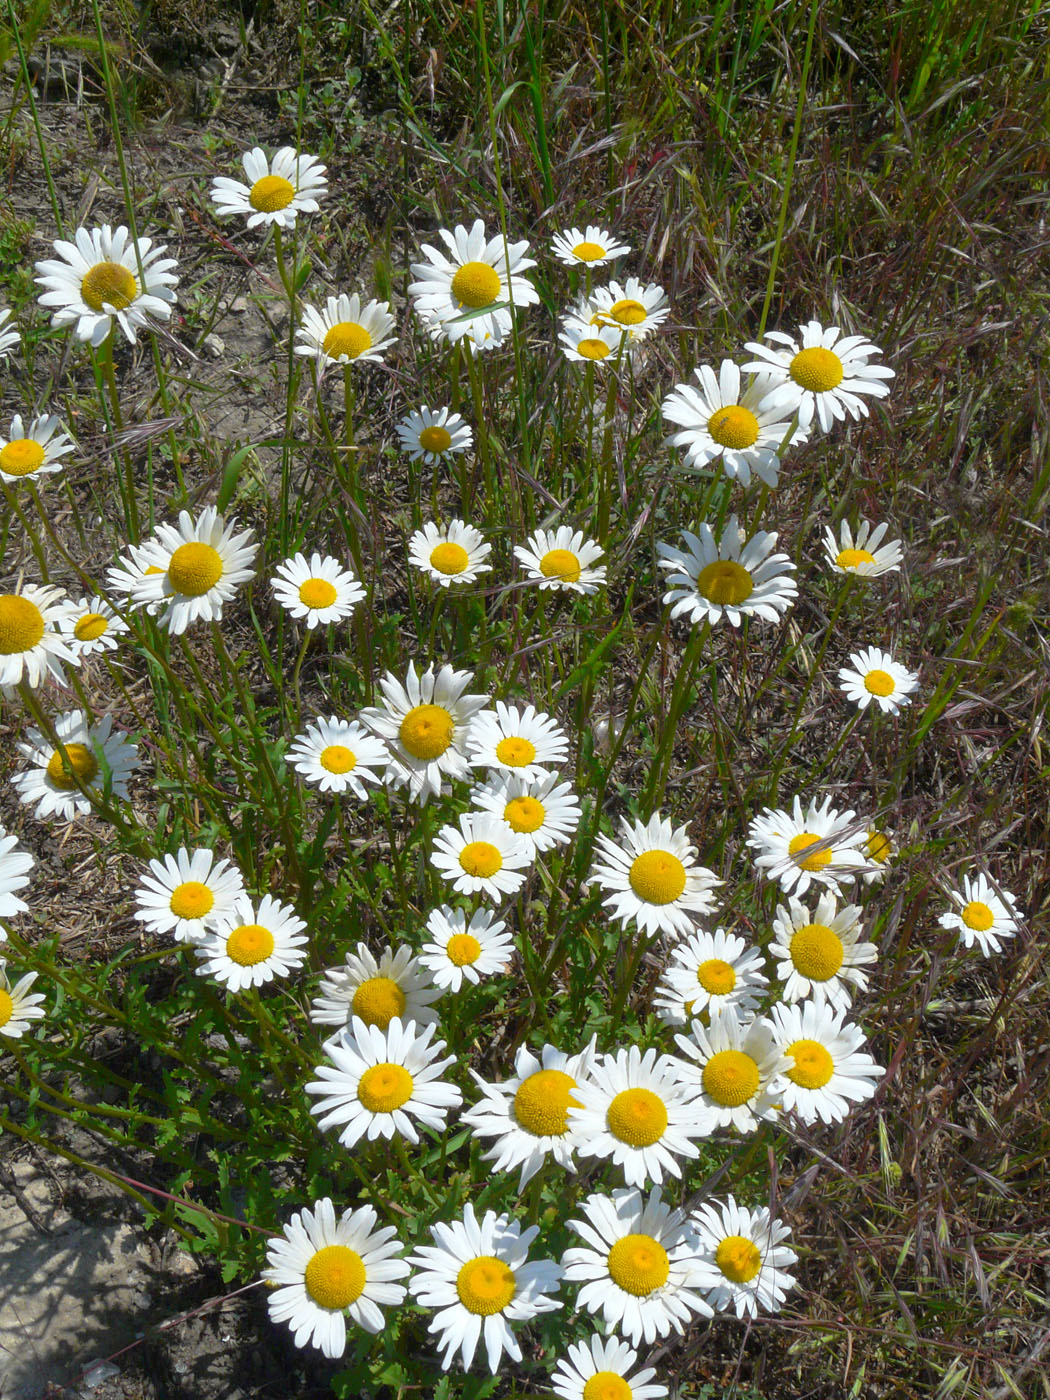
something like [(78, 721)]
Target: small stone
[(96, 1372), (214, 345), (239, 305)]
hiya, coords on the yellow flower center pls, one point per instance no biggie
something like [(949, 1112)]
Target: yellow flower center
[(657, 877), (337, 758), (639, 1265), (606, 1385), (816, 369), (335, 1277), (978, 916), (637, 1117), (194, 568), (378, 1000), (346, 338), (588, 251), (738, 1258), (816, 951), (481, 859), (725, 581), (485, 1285), (426, 731), (109, 284), (476, 284), (878, 847), (802, 842), (21, 624), (435, 439), (90, 627), (515, 752), (541, 1104), (191, 900), (249, 944), (7, 1006), (524, 814), (560, 563), (384, 1087), (851, 558), (463, 949), (21, 457), (813, 1065), (78, 760), (591, 348), (449, 558), (317, 593), (627, 312), (879, 683), (733, 426), (730, 1078), (716, 977), (271, 193)]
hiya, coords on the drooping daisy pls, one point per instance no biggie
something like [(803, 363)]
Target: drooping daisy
[(593, 248), (984, 914), (18, 1005), (744, 1262), (453, 554), (529, 1113), (381, 1081), (710, 973), (325, 1269), (875, 676), (736, 1071), (9, 333), (15, 865), (122, 577), (470, 292), (278, 190), (799, 847), (424, 724), (862, 554), (640, 1265), (589, 344), (481, 856), (345, 331), (459, 950), (727, 577), (95, 281), (636, 307), (92, 625), (477, 1276), (35, 450), (338, 755), (822, 374), (201, 565), (600, 1370), (828, 1071), (519, 741), (880, 851), (187, 893), (376, 990), (318, 589), (821, 955), (563, 559), (95, 752), (544, 814), (432, 434), (252, 944), (653, 877), (32, 647)]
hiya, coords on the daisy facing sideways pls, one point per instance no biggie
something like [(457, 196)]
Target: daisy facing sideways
[(279, 191), (592, 248), (15, 865), (875, 676), (470, 291), (586, 343), (317, 589), (601, 1370), (103, 276), (562, 559), (18, 1005), (93, 756), (453, 554), (33, 449), (821, 955), (828, 1071), (459, 951), (822, 374), (744, 1262), (345, 331), (190, 572), (375, 990), (984, 913), (862, 554), (9, 332), (799, 847), (727, 577), (252, 945), (653, 878), (185, 894), (338, 755)]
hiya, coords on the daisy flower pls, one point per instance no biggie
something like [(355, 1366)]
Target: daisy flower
[(592, 248), (529, 1113), (653, 878), (432, 434), (15, 865), (454, 554), (338, 755), (639, 1266), (727, 578), (799, 847), (544, 814), (318, 589), (984, 914), (252, 944), (9, 334), (35, 450), (95, 753), (92, 625), (278, 190), (129, 569), (828, 1071), (188, 893), (470, 292), (18, 1005), (375, 990), (736, 1072), (821, 954), (325, 1269), (600, 1370), (585, 342), (862, 554), (563, 559), (481, 856), (710, 973), (458, 950), (200, 564), (635, 307), (478, 1276), (519, 741), (379, 1081), (744, 1262), (424, 724), (822, 374), (105, 276), (32, 647), (876, 676), (880, 851), (345, 331)]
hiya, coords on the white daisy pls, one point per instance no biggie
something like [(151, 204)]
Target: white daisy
[(710, 973), (376, 990), (514, 740), (635, 307), (92, 625), (828, 1071), (822, 374), (470, 292), (96, 280), (325, 1269), (252, 944), (9, 333), (432, 434), (724, 577), (278, 190), (318, 589), (95, 752), (380, 1081), (32, 647), (544, 814), (18, 1005), (424, 724), (653, 878), (563, 559), (862, 554), (821, 955), (640, 1265), (592, 248), (459, 950), (35, 450), (338, 755), (481, 856), (15, 865), (984, 914), (202, 563), (129, 569), (799, 847), (187, 893), (876, 676), (736, 1072), (880, 851), (453, 554), (744, 1262), (600, 1370), (477, 1275), (590, 344), (346, 331)]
